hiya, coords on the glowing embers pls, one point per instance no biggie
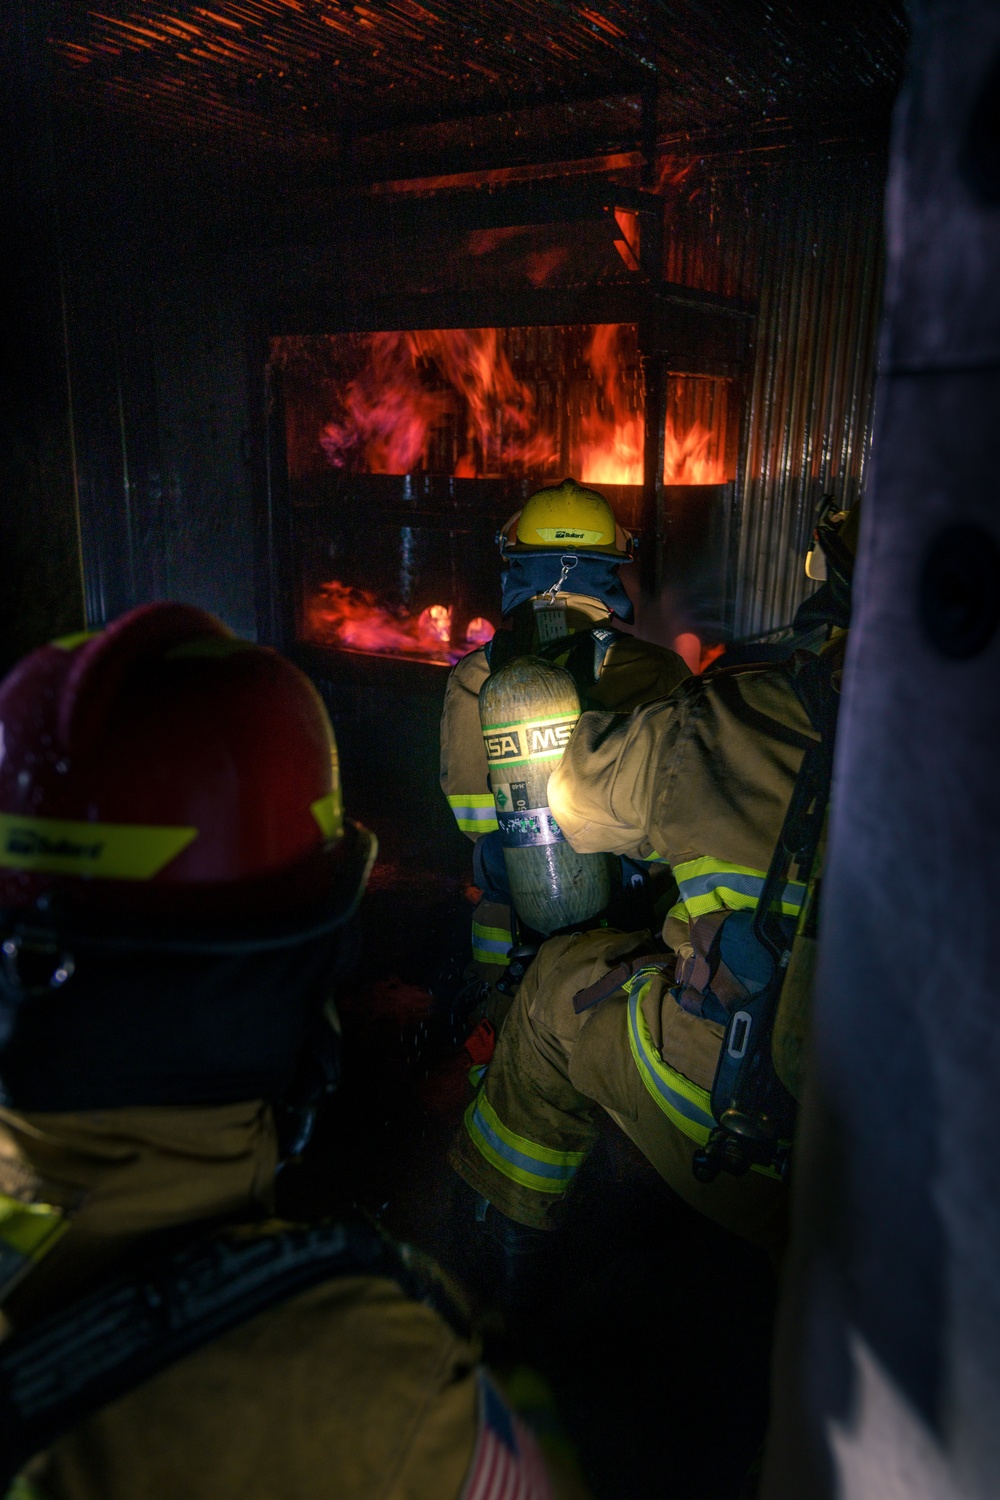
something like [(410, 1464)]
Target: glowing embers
[(353, 619)]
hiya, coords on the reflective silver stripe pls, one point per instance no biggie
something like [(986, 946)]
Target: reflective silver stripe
[(489, 945), (474, 814)]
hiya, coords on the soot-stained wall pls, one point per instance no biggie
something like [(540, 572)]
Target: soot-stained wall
[(40, 580), (158, 316)]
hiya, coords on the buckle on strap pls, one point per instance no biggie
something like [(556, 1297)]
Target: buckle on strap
[(624, 977)]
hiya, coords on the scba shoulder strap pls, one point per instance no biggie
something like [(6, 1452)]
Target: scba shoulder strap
[(583, 654), (116, 1337)]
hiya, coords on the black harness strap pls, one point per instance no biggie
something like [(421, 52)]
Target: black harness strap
[(585, 652), (116, 1337)]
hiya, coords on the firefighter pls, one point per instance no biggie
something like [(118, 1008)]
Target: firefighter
[(176, 873), (699, 782), (560, 590)]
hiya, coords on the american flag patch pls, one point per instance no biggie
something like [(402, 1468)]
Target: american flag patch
[(507, 1463)]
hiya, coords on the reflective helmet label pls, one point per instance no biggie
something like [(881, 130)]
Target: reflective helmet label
[(568, 534), (115, 851)]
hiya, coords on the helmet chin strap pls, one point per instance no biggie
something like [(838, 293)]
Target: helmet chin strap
[(568, 563)]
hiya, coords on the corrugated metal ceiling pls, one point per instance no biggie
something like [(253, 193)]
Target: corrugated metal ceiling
[(316, 75)]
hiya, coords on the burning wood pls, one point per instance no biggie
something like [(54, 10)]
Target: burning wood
[(354, 620)]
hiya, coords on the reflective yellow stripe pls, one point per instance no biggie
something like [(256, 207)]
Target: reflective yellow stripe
[(475, 812), (477, 825), (72, 642), (22, 1488), (114, 851), (514, 1156), (27, 1227), (28, 1231), (499, 934), (710, 884), (482, 955), (652, 858), (683, 1102), (209, 647)]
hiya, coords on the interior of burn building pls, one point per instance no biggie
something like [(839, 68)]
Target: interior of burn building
[(304, 298)]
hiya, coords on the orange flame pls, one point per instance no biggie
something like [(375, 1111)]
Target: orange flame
[(390, 410), (449, 400), (686, 457), (697, 656), (479, 631), (611, 438), (353, 619)]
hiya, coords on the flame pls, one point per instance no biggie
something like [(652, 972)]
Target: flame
[(479, 631), (611, 438), (449, 400), (353, 619), (686, 456), (388, 411), (390, 408), (697, 656)]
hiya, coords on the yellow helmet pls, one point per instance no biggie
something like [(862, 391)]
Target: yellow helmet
[(565, 517)]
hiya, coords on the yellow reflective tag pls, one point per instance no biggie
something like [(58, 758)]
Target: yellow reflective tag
[(113, 851), (572, 535), (209, 647), (71, 642), (27, 1228), (329, 814), (28, 1231)]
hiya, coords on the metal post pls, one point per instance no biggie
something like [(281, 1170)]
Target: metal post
[(654, 370)]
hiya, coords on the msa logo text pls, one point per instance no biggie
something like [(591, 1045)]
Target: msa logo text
[(552, 737), (503, 746), (528, 741), (25, 841)]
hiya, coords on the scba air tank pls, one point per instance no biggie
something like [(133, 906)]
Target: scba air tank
[(528, 710)]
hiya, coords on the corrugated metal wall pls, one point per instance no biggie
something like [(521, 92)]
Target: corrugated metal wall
[(802, 237)]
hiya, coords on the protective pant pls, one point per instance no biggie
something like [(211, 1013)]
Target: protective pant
[(637, 1055)]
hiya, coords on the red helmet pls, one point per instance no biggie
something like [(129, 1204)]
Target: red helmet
[(163, 770)]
